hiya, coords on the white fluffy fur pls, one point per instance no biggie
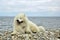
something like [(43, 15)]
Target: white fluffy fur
[(26, 26)]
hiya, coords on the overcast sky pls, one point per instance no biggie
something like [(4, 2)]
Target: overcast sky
[(30, 7)]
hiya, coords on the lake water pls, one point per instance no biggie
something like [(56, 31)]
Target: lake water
[(6, 23)]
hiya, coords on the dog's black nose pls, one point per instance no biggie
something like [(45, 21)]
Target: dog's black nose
[(17, 20)]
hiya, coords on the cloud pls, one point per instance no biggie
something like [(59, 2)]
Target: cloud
[(29, 5), (54, 8)]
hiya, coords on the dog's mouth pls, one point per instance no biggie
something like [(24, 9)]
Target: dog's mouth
[(19, 21)]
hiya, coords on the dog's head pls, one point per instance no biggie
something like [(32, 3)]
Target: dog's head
[(20, 18)]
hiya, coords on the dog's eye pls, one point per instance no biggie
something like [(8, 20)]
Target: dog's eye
[(23, 27)]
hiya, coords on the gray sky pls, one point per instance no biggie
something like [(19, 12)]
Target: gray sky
[(30, 7)]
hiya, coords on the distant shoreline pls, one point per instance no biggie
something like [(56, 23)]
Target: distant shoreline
[(35, 16)]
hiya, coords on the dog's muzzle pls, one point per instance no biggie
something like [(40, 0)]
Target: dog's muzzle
[(19, 21)]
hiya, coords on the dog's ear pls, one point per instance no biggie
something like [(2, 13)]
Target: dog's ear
[(23, 14)]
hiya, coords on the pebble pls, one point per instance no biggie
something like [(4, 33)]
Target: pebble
[(49, 35)]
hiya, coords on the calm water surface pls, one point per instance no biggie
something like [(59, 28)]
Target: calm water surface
[(6, 23)]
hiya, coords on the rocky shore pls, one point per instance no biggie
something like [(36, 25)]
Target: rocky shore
[(50, 34)]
